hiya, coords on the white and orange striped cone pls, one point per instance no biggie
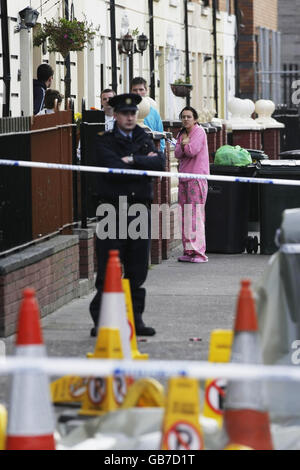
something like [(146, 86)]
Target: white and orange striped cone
[(113, 307), (30, 416), (245, 417)]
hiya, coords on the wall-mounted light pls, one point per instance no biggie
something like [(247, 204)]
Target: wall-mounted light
[(28, 18), (142, 42), (128, 46)]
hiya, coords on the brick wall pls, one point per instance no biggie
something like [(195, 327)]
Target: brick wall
[(271, 143), (259, 13), (86, 252), (247, 82), (256, 13), (166, 199), (173, 128), (161, 248), (247, 8), (249, 139), (266, 13), (51, 268)]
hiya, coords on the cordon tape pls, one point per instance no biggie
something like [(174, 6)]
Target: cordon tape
[(105, 368), (164, 174)]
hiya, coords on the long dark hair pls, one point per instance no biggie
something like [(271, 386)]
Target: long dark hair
[(189, 108), (195, 115)]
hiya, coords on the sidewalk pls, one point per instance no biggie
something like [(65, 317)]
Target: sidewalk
[(183, 301)]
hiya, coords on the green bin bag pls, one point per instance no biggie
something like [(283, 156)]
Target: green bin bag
[(232, 156)]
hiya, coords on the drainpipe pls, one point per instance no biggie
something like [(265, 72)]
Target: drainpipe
[(151, 49), (216, 91), (237, 49), (114, 80), (67, 60), (5, 58), (187, 60)]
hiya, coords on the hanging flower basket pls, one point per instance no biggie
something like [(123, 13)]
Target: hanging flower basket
[(64, 35), (181, 89)]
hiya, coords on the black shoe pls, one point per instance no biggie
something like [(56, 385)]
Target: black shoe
[(144, 330), (93, 332)]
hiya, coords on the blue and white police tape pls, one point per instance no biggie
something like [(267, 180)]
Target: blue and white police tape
[(164, 174), (161, 369)]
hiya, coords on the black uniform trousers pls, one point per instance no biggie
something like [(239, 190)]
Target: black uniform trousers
[(134, 256)]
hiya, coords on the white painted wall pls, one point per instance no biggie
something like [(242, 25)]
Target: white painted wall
[(169, 63)]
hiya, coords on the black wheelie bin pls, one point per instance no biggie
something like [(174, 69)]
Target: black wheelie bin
[(257, 156), (274, 199), (290, 155), (227, 211)]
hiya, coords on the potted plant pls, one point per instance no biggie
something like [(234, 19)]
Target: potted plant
[(64, 36), (181, 88)]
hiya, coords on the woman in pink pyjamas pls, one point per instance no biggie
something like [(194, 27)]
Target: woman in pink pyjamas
[(192, 152)]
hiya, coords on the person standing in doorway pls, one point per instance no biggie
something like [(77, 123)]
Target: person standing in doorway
[(44, 80), (192, 152)]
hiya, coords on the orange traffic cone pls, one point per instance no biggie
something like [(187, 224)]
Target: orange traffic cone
[(113, 308), (245, 417), (30, 417)]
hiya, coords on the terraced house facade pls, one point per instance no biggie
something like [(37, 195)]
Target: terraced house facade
[(213, 42)]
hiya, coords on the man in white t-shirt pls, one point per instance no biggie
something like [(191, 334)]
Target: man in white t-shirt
[(51, 96), (108, 110)]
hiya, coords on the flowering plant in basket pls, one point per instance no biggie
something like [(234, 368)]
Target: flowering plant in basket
[(64, 35)]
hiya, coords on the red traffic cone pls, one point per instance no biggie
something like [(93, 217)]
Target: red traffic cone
[(30, 417), (246, 419), (113, 307)]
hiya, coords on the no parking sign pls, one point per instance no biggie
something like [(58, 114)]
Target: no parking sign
[(215, 389), (97, 388), (215, 395), (181, 425), (183, 436), (119, 388)]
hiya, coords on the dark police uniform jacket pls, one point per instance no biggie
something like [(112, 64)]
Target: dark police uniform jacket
[(39, 90), (110, 148)]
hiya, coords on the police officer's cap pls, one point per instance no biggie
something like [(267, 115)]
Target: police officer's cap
[(125, 102)]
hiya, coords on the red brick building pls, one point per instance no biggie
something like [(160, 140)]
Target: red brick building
[(257, 46)]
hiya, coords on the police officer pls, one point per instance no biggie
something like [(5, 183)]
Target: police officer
[(126, 146)]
